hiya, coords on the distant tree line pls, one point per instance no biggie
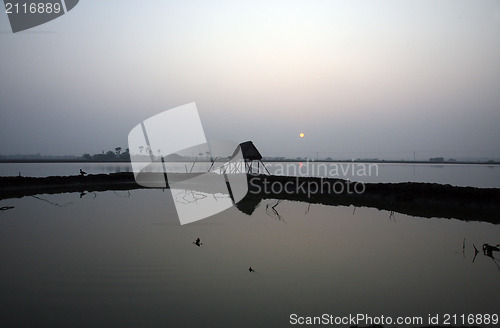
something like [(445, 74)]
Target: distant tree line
[(109, 156), (441, 160)]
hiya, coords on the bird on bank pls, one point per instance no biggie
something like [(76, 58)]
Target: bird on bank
[(82, 172)]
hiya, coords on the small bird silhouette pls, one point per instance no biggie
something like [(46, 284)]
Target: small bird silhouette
[(197, 242), (250, 269), (82, 172)]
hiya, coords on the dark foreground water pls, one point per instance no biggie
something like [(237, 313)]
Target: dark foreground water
[(119, 259)]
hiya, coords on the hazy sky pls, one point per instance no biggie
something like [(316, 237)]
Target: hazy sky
[(372, 78)]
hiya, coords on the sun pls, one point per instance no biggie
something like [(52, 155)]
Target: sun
[(301, 135)]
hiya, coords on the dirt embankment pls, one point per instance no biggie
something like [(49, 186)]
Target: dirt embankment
[(417, 199)]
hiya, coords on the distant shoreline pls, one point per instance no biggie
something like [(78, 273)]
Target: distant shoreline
[(55, 161)]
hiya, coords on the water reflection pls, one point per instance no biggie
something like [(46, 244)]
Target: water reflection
[(248, 205), (51, 202), (488, 251), (122, 258), (273, 212), (84, 193), (475, 253)]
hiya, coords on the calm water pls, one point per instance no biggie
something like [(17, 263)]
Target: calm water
[(119, 259), (484, 176)]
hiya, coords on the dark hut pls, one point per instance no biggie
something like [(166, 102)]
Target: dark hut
[(251, 154)]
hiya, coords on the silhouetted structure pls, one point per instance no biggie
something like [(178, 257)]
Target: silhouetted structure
[(251, 154), (248, 205), (488, 250)]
